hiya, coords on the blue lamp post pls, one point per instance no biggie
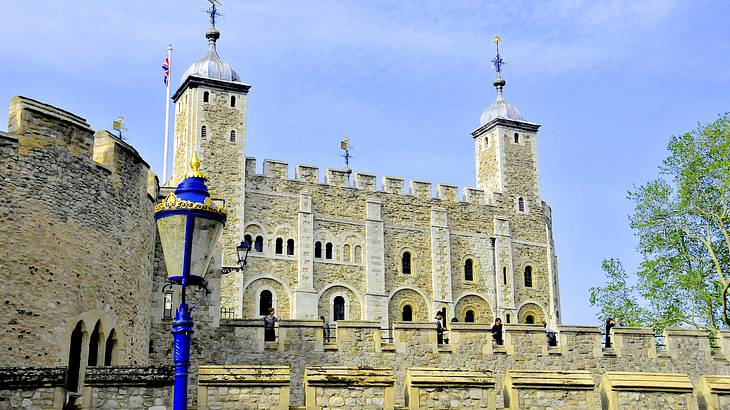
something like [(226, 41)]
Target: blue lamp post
[(189, 225)]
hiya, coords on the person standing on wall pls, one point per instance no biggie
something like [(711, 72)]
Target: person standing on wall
[(325, 329), (269, 321), (497, 331), (439, 328)]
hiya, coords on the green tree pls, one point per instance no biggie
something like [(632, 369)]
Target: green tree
[(681, 220)]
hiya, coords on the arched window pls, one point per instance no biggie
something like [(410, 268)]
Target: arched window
[(318, 249), (406, 263), (407, 313), (346, 253), (509, 318), (206, 95), (469, 316), (504, 275), (111, 345), (328, 250), (290, 247), (358, 253), (279, 246), (517, 138), (233, 101), (233, 135), (94, 345), (74, 358), (203, 132), (259, 244), (530, 320), (247, 239), (265, 302), (468, 270), (521, 204), (338, 308), (528, 276)]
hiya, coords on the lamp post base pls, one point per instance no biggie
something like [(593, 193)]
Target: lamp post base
[(182, 328)]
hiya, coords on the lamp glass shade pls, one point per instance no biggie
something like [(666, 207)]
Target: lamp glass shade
[(172, 238), (205, 238)]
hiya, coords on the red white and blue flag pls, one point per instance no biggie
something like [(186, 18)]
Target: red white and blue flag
[(166, 69)]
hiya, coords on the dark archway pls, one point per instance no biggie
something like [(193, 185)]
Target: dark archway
[(94, 345), (265, 302), (111, 345), (339, 308), (469, 316), (407, 313), (74, 358)]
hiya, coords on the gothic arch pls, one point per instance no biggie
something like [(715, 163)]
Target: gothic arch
[(252, 291), (531, 308), (408, 296), (483, 312)]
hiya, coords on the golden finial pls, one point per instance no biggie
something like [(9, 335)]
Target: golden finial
[(497, 39), (195, 168)]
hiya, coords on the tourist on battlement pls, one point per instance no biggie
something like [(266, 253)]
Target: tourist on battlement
[(610, 323), (325, 329), (439, 328), (497, 331), (269, 321), (550, 335)]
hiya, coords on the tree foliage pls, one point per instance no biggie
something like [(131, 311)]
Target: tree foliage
[(681, 220)]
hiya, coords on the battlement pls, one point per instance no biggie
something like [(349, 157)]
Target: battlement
[(345, 178)]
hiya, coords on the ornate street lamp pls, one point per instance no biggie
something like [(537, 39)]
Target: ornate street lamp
[(242, 251), (189, 225)]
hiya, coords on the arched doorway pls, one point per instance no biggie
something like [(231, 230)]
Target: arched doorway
[(338, 308), (94, 345), (111, 344), (265, 302), (74, 358), (407, 315)]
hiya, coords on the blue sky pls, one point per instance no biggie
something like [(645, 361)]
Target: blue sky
[(610, 82)]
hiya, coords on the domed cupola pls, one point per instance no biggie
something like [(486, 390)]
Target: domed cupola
[(500, 108), (211, 65)]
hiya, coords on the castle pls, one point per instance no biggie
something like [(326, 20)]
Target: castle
[(86, 325)]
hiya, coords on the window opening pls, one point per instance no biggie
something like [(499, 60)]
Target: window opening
[(328, 250), (407, 313), (469, 270), (265, 302), (290, 247), (111, 345), (259, 244), (521, 204), (504, 274), (346, 253), (279, 246), (339, 308), (406, 263), (528, 276), (358, 253), (205, 96), (509, 318), (74, 359), (517, 138), (233, 136), (530, 320), (469, 316), (233, 101), (94, 345), (318, 249), (203, 132)]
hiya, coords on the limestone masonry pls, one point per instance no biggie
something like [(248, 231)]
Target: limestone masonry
[(87, 326)]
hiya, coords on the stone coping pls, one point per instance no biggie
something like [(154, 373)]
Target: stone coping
[(415, 325), (242, 322), (643, 331), (129, 376), (469, 327), (230, 375), (550, 379), (648, 382), (299, 323), (341, 324), (427, 377), (52, 111), (524, 328), (675, 331), (348, 376), (32, 376), (716, 384), (579, 329)]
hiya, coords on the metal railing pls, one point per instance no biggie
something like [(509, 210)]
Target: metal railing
[(227, 313)]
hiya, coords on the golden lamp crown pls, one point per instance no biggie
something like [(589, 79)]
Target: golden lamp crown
[(195, 168)]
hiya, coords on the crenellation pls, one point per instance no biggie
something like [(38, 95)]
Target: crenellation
[(307, 173), (251, 166), (338, 178), (474, 196), (276, 169), (420, 189), (393, 185), (365, 182), (447, 193)]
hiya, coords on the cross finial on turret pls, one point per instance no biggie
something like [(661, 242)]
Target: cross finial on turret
[(498, 63), (213, 11)]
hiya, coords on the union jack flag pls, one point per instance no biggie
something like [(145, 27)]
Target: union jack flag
[(166, 68)]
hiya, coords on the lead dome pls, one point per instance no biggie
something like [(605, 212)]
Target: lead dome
[(211, 65), (500, 108)]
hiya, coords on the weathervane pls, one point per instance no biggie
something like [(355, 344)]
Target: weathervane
[(119, 126), (498, 62), (213, 11), (345, 146)]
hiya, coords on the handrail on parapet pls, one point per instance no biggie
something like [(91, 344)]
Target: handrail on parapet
[(227, 313), (386, 334)]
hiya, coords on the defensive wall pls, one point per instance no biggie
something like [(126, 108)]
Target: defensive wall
[(362, 367), (77, 241)]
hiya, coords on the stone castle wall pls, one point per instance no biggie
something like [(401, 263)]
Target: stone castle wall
[(78, 238)]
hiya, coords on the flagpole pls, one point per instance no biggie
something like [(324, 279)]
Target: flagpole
[(167, 114)]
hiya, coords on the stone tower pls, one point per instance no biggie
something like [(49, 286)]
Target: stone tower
[(210, 118), (507, 170)]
